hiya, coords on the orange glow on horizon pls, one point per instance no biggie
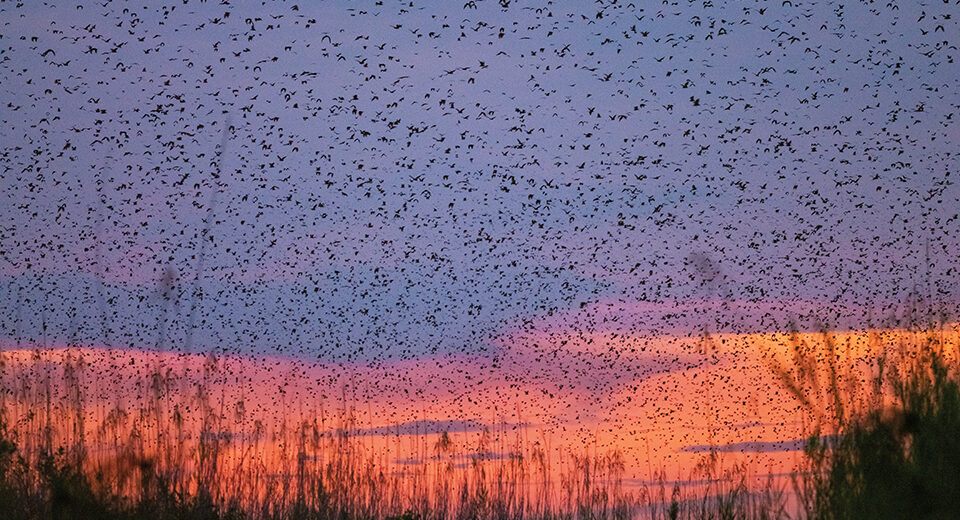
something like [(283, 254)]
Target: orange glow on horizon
[(658, 403)]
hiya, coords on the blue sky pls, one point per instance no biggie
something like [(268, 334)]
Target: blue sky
[(412, 178)]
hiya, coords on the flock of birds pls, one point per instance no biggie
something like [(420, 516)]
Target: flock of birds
[(380, 182)]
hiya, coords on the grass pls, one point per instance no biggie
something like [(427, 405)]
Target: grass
[(196, 455), (898, 456), (884, 443)]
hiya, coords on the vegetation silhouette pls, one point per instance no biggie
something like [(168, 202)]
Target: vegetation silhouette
[(882, 446)]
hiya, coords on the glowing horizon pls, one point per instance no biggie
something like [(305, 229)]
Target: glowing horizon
[(718, 394)]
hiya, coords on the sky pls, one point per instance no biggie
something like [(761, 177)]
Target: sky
[(378, 182)]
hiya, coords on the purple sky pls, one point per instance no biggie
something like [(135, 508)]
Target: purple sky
[(411, 178)]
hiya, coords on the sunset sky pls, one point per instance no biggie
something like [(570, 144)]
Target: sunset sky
[(517, 198)]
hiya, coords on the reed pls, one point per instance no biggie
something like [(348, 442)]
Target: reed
[(167, 452), (883, 432)]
